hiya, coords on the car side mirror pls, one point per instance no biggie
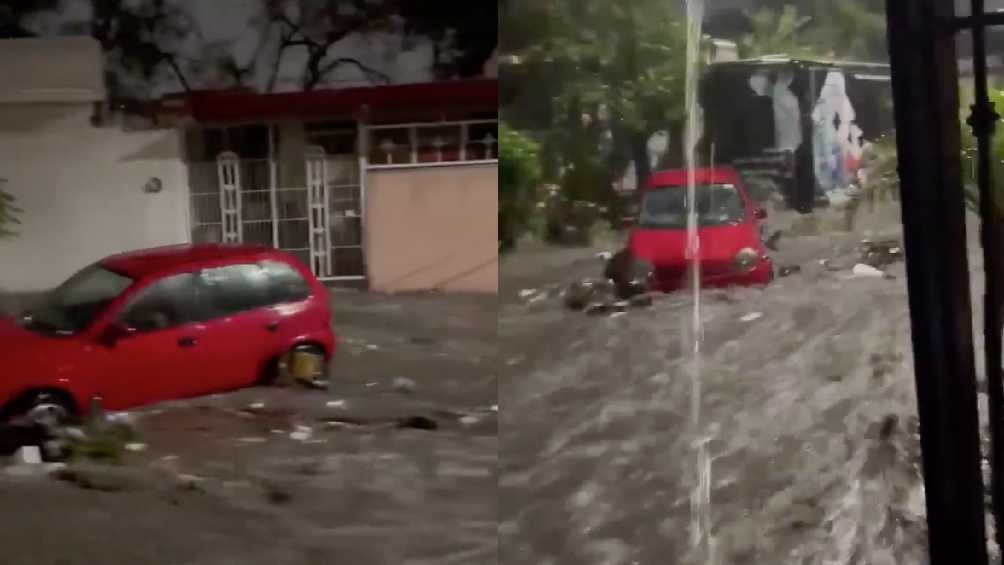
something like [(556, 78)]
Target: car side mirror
[(760, 214), (116, 332)]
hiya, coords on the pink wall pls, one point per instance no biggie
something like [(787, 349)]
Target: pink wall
[(433, 228)]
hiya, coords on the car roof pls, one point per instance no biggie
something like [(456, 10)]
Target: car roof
[(147, 262), (678, 177)]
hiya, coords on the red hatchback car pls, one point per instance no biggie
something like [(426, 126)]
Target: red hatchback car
[(731, 250), (160, 324)]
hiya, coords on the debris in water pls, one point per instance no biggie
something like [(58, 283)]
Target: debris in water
[(495, 407), (254, 439), (469, 420), (580, 294), (135, 446), (597, 308), (276, 495), (641, 300), (30, 454), (862, 270), (788, 270), (772, 241), (418, 423), (880, 254), (372, 347), (402, 384), (604, 255), (101, 478), (617, 314), (752, 316), (302, 433), (336, 404), (527, 293)]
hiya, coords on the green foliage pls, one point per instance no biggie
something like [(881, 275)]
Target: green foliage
[(777, 33), (8, 214), (519, 175), (626, 56), (968, 144), (849, 29)]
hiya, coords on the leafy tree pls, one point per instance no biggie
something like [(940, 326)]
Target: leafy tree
[(777, 33), (622, 63), (8, 213), (849, 29), (519, 174)]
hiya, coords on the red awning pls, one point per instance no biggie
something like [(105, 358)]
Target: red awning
[(402, 102)]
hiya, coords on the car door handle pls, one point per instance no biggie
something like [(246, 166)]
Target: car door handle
[(272, 326), (187, 342)]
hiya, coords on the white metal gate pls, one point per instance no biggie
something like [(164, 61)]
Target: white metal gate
[(320, 223)]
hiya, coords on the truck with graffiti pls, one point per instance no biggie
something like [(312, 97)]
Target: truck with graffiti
[(798, 127)]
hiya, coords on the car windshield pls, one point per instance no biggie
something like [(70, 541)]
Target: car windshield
[(73, 305), (717, 204)]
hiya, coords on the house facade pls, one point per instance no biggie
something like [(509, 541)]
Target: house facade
[(391, 188)]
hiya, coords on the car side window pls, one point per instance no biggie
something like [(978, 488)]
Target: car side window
[(285, 284), (234, 288), (164, 304)]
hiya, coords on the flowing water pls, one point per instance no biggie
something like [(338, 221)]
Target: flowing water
[(700, 501)]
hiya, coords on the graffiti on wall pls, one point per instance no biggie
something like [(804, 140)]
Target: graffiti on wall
[(837, 140)]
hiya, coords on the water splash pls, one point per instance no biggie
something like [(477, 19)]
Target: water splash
[(700, 500)]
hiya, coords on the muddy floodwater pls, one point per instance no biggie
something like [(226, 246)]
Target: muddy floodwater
[(397, 464), (808, 408)]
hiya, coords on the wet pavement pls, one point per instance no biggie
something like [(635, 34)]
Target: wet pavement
[(396, 464)]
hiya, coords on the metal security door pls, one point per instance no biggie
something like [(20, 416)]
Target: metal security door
[(317, 195), (228, 167)]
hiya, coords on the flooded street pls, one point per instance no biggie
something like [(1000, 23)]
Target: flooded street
[(397, 464), (808, 408)]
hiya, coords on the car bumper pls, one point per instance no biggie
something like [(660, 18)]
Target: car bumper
[(674, 280)]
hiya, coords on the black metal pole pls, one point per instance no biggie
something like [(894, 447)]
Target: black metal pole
[(983, 120), (925, 92)]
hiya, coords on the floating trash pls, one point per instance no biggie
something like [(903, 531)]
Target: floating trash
[(867, 271)]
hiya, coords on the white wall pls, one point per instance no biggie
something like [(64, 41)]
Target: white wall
[(81, 189)]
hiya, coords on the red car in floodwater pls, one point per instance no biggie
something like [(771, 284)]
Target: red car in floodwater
[(160, 324), (731, 250)]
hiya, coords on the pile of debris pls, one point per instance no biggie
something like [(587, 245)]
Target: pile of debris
[(600, 297)]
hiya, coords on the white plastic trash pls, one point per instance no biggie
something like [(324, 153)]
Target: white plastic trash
[(862, 270)]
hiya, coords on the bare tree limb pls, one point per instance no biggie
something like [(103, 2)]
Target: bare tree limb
[(372, 75), (177, 72)]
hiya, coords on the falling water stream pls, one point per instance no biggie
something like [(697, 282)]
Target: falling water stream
[(700, 499)]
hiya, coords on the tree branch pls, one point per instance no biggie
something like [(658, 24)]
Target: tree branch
[(372, 75), (177, 71)]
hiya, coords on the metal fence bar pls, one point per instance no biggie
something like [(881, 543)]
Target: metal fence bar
[(983, 120), (978, 19), (925, 95)]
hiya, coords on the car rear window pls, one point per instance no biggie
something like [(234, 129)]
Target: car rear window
[(285, 284), (235, 288)]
